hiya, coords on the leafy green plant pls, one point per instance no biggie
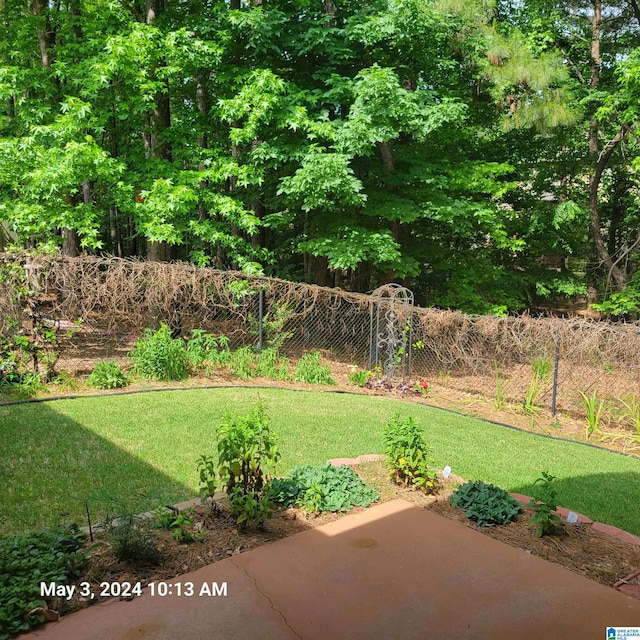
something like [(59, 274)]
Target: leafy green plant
[(183, 529), (593, 410), (50, 555), (273, 323), (309, 369), (162, 517), (205, 349), (423, 388), (251, 507), (66, 381), (208, 477), (242, 363), (107, 375), (360, 378), (408, 458), (485, 503), (545, 503), (323, 488), (270, 364), (159, 356), (247, 452), (238, 290), (246, 363), (541, 367), (26, 385)]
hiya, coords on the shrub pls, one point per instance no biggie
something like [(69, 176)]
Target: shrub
[(408, 458), (247, 451), (159, 356), (485, 503), (50, 555), (323, 488), (107, 375), (309, 369)]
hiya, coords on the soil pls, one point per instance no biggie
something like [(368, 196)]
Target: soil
[(575, 546)]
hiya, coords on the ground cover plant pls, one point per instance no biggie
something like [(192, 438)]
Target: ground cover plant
[(485, 503), (148, 444), (323, 488), (53, 555)]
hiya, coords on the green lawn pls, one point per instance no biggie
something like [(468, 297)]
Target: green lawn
[(141, 449)]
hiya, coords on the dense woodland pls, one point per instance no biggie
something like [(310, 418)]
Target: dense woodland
[(483, 153)]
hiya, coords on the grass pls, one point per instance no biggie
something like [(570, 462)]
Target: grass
[(142, 449)]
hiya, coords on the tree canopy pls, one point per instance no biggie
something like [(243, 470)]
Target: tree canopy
[(460, 148)]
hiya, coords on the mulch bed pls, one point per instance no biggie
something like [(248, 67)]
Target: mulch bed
[(576, 547)]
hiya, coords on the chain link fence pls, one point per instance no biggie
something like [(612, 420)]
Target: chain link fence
[(98, 307)]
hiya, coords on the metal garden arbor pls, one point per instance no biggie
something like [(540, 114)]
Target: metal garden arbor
[(390, 331)]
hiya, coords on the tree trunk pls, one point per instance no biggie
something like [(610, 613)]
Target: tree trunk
[(602, 158), (159, 123), (619, 277), (114, 232), (46, 34), (70, 243), (389, 165), (202, 103), (158, 251), (321, 264)]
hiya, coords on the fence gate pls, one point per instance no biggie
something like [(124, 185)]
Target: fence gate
[(390, 331)]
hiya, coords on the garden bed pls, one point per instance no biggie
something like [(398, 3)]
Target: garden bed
[(577, 547)]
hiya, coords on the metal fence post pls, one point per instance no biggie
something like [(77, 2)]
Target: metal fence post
[(260, 314), (554, 395)]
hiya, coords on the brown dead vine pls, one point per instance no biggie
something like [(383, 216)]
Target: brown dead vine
[(117, 299)]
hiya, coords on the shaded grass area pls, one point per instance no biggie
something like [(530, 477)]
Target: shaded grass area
[(142, 449)]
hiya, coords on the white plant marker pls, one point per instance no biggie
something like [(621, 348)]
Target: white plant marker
[(446, 471), (572, 517)]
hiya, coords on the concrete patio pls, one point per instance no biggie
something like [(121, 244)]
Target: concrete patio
[(392, 571)]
